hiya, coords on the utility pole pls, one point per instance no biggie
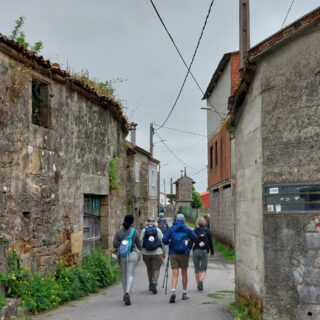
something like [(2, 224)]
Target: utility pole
[(151, 138), (244, 30), (171, 186), (164, 185)]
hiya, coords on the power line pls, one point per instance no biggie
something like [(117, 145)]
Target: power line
[(193, 57), (284, 21), (179, 130), (198, 172), (169, 149)]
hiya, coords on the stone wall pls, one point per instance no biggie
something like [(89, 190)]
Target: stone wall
[(44, 173), (291, 151), (221, 214)]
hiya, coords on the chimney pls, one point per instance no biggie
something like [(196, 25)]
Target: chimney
[(133, 130), (244, 31), (185, 171)]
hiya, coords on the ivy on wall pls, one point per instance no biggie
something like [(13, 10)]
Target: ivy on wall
[(114, 176)]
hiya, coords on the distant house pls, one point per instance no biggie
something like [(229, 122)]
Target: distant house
[(142, 195), (275, 115), (223, 83), (57, 139)]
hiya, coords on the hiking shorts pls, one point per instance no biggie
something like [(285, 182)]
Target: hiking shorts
[(179, 261), (200, 260)]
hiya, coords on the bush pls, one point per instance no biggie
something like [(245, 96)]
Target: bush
[(40, 292), (2, 301)]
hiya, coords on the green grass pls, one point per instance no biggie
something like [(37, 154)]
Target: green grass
[(191, 224), (238, 313), (219, 295), (226, 251)]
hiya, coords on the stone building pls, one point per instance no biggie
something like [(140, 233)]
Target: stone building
[(184, 191), (276, 118), (58, 138), (142, 180), (221, 171)]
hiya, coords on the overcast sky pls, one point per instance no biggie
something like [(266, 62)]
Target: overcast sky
[(124, 39)]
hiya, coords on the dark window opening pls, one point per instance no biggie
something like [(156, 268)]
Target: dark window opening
[(91, 222), (40, 103), (216, 153), (211, 157), (221, 154)]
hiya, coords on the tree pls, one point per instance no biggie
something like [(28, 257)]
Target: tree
[(196, 203)]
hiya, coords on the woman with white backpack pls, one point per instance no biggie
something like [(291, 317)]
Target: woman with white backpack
[(127, 243)]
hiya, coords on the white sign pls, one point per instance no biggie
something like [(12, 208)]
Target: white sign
[(270, 207), (273, 190), (278, 207)]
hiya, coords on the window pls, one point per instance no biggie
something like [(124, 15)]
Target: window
[(137, 171), (216, 153), (91, 222), (221, 151), (153, 178), (40, 103), (211, 157)]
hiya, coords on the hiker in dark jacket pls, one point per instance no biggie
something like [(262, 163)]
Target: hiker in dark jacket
[(180, 239), (201, 248), (128, 261), (162, 223)]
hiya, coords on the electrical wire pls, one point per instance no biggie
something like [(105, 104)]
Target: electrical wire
[(198, 172), (193, 57), (284, 21), (221, 114), (169, 149), (179, 130)]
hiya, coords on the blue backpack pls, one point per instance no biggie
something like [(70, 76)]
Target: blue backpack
[(179, 240), (126, 245), (151, 240)]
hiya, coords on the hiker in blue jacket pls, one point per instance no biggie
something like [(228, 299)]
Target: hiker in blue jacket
[(180, 239)]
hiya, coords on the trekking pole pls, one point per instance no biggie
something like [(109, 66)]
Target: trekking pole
[(166, 276)]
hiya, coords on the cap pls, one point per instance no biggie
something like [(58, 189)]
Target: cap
[(180, 217)]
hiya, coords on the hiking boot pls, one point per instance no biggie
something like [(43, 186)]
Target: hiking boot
[(184, 296), (126, 299), (200, 286), (173, 298), (150, 286), (153, 288)]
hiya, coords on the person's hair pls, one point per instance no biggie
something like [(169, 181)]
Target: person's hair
[(128, 221), (201, 222)]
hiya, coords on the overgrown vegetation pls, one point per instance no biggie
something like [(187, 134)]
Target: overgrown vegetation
[(114, 176), (247, 308), (2, 301), (226, 251), (226, 123), (19, 36), (103, 88), (40, 292)]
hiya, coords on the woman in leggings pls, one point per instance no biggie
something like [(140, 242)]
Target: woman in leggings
[(127, 263)]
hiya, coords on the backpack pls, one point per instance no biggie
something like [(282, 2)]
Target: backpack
[(126, 245), (151, 240), (179, 240), (202, 239), (163, 225)]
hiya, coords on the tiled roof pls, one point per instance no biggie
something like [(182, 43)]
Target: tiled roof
[(25, 56)]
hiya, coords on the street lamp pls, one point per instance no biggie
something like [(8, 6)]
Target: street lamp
[(213, 110)]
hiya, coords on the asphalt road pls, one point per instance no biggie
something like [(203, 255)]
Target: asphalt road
[(108, 304)]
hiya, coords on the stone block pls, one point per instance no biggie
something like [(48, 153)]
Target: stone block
[(10, 310), (312, 259), (313, 241), (309, 294)]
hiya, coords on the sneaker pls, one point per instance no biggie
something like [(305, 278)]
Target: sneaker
[(173, 298), (150, 287), (184, 296), (127, 300), (153, 288), (200, 286)]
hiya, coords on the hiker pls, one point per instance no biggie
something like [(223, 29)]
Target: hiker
[(153, 252), (162, 223), (201, 248), (180, 239), (207, 219), (127, 243)]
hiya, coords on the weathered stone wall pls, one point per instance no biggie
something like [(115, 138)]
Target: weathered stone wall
[(44, 173), (248, 194), (291, 151)]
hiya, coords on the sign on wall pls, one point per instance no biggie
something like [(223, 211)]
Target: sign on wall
[(298, 198)]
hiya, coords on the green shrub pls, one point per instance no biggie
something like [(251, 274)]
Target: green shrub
[(2, 301)]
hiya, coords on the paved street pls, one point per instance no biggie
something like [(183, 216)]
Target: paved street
[(108, 305)]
